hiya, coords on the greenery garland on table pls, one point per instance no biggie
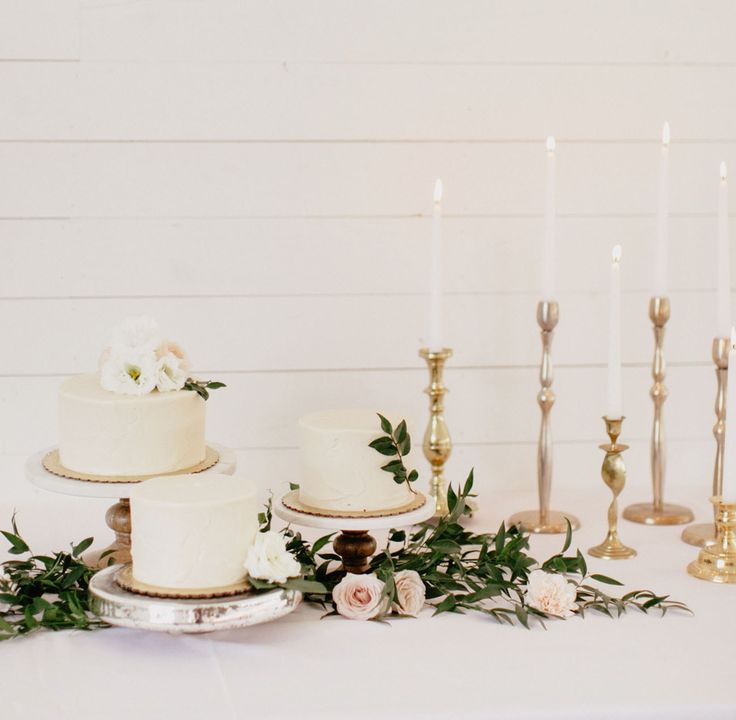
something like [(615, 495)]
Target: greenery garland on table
[(444, 565)]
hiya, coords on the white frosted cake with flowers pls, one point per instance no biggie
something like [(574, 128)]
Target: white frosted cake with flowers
[(340, 471), (140, 415), (192, 531)]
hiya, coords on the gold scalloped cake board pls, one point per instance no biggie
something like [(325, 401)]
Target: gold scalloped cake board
[(52, 463), (124, 578), (291, 500)]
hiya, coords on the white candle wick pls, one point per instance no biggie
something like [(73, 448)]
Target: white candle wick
[(723, 171), (666, 134), (551, 143), (438, 191), (616, 254)]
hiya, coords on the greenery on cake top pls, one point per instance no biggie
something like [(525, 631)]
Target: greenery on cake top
[(202, 387), (396, 443)]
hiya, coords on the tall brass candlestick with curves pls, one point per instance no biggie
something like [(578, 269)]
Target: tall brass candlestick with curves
[(658, 512), (704, 533), (437, 443), (545, 520)]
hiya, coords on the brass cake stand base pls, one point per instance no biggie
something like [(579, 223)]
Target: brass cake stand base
[(551, 523), (647, 513), (699, 534)]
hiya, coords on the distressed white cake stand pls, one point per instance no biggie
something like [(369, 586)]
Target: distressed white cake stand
[(355, 545), (117, 516), (178, 615)]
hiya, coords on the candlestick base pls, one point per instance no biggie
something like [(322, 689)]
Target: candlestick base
[(612, 549), (717, 562), (699, 534), (551, 523), (648, 514)]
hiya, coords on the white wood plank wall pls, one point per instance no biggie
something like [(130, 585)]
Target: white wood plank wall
[(258, 177)]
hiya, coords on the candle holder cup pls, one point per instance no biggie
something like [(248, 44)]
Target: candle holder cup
[(545, 520), (658, 512)]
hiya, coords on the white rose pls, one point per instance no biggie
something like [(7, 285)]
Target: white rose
[(129, 373), (268, 559), (551, 593), (136, 333), (410, 593), (359, 597), (172, 373)]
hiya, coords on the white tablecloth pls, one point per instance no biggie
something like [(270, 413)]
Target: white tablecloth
[(445, 667)]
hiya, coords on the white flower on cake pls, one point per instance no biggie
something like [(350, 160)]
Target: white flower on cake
[(172, 373), (269, 560), (410, 593), (359, 597), (551, 593), (131, 373)]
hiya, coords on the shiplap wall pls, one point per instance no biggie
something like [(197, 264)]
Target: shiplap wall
[(258, 177)]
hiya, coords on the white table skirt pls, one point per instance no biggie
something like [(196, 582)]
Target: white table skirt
[(444, 667)]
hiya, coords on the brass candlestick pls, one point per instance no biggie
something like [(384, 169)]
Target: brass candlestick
[(658, 512), (437, 443), (545, 520), (717, 562), (704, 533), (613, 472)]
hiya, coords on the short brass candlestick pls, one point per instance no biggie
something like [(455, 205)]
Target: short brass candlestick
[(437, 443), (545, 520), (613, 472), (658, 512), (717, 562), (704, 533)]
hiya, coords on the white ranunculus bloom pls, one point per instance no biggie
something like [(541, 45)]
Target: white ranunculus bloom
[(136, 333), (172, 373), (131, 373), (551, 593), (268, 559)]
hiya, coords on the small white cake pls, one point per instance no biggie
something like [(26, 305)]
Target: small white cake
[(339, 471), (192, 531), (106, 433)]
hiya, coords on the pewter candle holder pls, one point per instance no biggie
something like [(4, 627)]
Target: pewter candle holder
[(704, 533), (545, 520), (613, 472), (658, 512), (437, 443)]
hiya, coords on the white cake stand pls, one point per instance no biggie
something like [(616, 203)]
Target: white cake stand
[(355, 545), (117, 516)]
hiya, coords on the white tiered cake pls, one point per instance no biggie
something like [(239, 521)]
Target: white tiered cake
[(192, 532), (104, 433), (339, 471)]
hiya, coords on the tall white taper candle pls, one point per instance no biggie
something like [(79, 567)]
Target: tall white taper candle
[(548, 255), (724, 258), (435, 305), (663, 211), (728, 492), (614, 405)]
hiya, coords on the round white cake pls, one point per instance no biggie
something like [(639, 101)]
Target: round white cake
[(192, 531), (105, 433), (339, 471)]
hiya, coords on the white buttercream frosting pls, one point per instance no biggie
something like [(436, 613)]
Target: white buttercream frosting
[(192, 531), (105, 433), (339, 471)]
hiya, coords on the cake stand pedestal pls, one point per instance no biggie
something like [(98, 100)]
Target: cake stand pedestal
[(117, 516), (355, 545)]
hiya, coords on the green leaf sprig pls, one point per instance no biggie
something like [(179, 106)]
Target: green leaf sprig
[(44, 591), (202, 387), (397, 444)]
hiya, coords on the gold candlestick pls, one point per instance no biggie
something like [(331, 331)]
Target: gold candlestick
[(545, 520), (705, 533), (717, 562), (613, 472), (437, 443), (658, 512)]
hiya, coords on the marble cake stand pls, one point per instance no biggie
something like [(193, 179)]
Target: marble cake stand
[(117, 516), (355, 545)]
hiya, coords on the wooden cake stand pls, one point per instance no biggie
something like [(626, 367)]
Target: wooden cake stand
[(355, 545), (117, 516)]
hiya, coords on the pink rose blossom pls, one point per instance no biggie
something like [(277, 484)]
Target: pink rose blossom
[(410, 593), (359, 597)]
